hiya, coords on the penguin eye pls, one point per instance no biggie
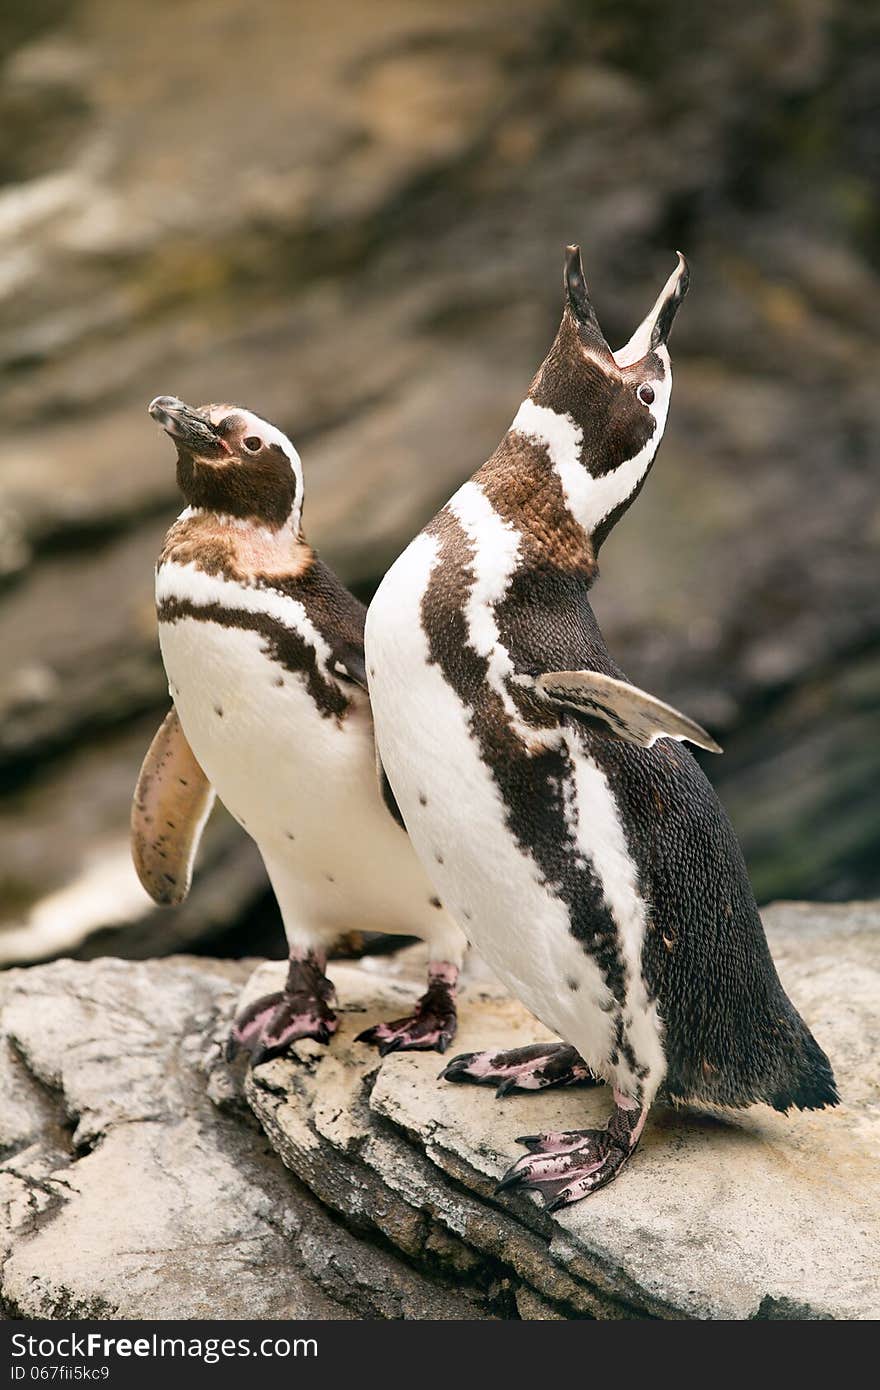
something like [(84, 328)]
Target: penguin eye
[(645, 393), (253, 444)]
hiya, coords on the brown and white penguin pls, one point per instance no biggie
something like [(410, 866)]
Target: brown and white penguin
[(577, 842), (263, 649)]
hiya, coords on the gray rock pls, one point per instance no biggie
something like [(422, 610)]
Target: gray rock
[(127, 1194), (79, 633), (134, 1181), (719, 1216)]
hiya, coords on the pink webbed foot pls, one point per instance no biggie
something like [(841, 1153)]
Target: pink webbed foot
[(530, 1068), (269, 1026), (432, 1024), (565, 1166)]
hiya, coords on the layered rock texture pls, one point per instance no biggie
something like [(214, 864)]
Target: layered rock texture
[(143, 1177), (365, 245)]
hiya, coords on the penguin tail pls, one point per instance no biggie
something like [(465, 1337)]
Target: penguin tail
[(812, 1085), (773, 1059)]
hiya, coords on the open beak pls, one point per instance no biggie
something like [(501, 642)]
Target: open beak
[(188, 429), (581, 307), (653, 332)]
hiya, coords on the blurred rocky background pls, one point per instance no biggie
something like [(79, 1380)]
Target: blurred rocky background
[(350, 217)]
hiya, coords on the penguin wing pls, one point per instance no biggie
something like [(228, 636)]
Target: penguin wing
[(339, 617), (622, 710), (172, 801)]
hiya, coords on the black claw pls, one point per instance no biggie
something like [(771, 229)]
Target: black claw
[(366, 1036), (453, 1071), (461, 1061), (510, 1179), (260, 1055), (442, 1044), (230, 1051), (528, 1141), (391, 1046), (554, 1203), (505, 1087)]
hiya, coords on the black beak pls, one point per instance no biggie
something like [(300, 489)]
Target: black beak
[(653, 332), (673, 293), (188, 429), (578, 299)]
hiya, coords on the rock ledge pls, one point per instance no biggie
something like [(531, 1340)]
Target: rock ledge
[(136, 1182)]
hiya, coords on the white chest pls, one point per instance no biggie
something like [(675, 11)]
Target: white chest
[(459, 825), (303, 784), (256, 729)]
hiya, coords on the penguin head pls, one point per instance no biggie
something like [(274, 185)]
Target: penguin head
[(232, 462), (613, 405)]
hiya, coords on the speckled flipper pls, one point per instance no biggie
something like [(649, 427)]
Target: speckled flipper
[(531, 1068), (303, 1009), (432, 1024), (564, 1167), (172, 801), (622, 709)]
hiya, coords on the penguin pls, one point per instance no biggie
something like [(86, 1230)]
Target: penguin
[(561, 818), (263, 650)]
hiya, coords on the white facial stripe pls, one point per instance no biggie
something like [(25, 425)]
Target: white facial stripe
[(253, 424), (268, 433), (186, 582), (662, 392), (590, 500)]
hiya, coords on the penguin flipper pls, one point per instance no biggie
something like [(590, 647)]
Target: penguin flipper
[(620, 709), (172, 801)]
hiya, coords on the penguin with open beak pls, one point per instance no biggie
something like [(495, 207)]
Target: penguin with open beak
[(263, 649), (561, 819)]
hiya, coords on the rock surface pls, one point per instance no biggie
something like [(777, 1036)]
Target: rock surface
[(128, 1192), (369, 253), (719, 1216)]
